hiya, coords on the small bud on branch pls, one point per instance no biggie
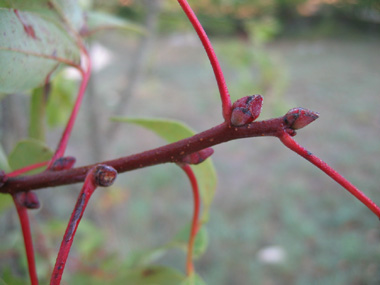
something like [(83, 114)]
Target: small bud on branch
[(246, 110), (297, 118), (198, 157), (62, 163)]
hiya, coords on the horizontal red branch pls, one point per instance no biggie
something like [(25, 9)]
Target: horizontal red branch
[(173, 152)]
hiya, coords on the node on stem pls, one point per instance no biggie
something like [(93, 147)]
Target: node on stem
[(298, 118), (246, 110), (198, 157)]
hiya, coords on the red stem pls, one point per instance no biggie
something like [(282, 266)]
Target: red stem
[(289, 142), (27, 235), (27, 168), (70, 124), (174, 152), (195, 221), (88, 188), (223, 90)]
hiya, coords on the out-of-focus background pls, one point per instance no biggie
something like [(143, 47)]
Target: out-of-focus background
[(275, 219)]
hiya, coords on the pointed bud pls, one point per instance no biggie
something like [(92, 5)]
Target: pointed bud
[(27, 199), (63, 163), (199, 156), (298, 118), (31, 200), (104, 175), (246, 109)]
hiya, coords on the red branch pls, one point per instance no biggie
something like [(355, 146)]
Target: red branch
[(223, 90), (288, 141), (174, 152), (100, 175)]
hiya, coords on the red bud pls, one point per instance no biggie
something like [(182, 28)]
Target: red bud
[(27, 199), (63, 163), (246, 110), (298, 118), (199, 156), (104, 175)]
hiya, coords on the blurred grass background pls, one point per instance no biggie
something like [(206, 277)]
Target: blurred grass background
[(276, 219)]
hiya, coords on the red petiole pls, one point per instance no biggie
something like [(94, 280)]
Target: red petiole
[(195, 220), (27, 169), (22, 211), (70, 124), (223, 90)]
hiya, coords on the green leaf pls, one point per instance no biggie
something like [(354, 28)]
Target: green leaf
[(31, 48), (200, 244), (6, 202), (173, 131), (61, 100), (37, 114), (72, 12), (152, 275), (52, 9), (98, 21), (28, 152), (193, 279)]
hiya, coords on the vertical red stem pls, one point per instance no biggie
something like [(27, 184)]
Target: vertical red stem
[(223, 90), (100, 175), (195, 221), (76, 216), (289, 142), (70, 124), (27, 235)]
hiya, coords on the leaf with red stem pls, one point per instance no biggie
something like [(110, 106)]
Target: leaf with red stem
[(195, 220), (100, 175), (223, 90), (289, 142), (21, 201)]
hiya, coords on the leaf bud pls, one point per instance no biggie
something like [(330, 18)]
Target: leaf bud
[(199, 156), (63, 163), (298, 118), (246, 109), (104, 175)]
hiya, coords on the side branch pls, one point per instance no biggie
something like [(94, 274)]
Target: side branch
[(173, 152)]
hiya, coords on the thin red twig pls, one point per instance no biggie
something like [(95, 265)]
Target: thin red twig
[(70, 124), (27, 235), (289, 142), (100, 175), (76, 216), (195, 220), (27, 169), (223, 90)]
